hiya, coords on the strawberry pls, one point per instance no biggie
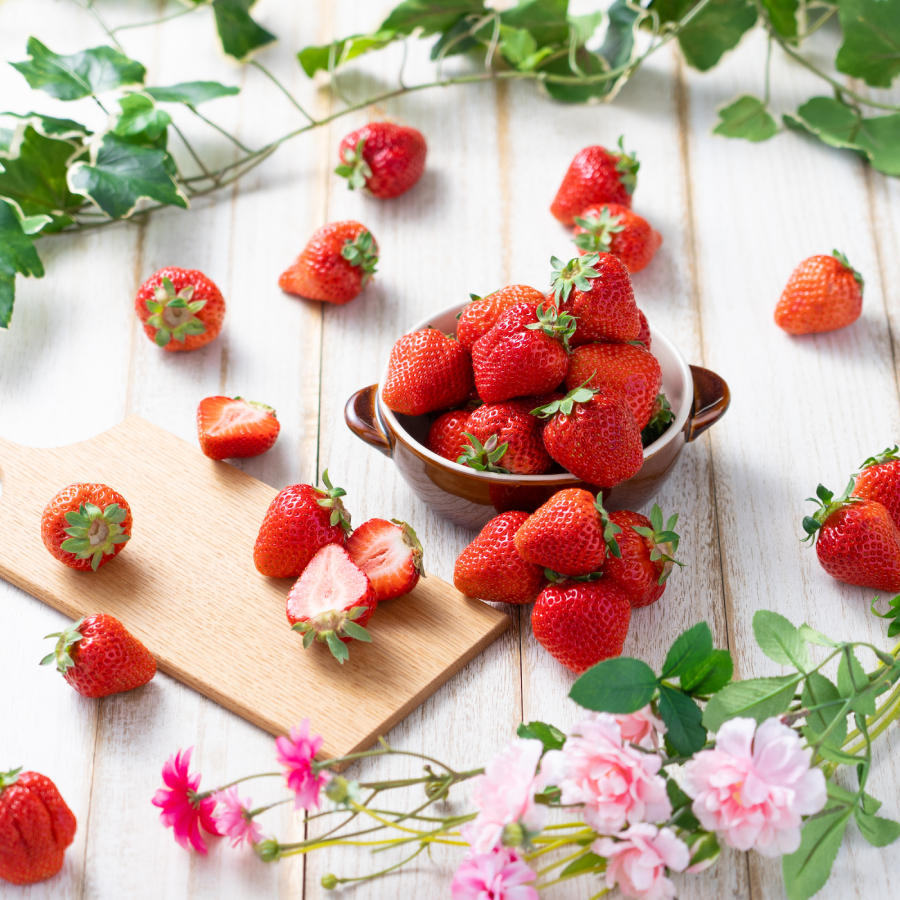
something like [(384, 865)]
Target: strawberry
[(619, 370), (385, 158), (390, 554), (855, 539), (880, 480), (593, 437), (490, 568), (644, 335), (332, 601), (596, 290), (447, 435), (181, 309), (36, 826), (570, 534), (234, 428), (480, 316), (526, 352), (581, 623), (822, 294), (511, 426), (595, 176), (335, 265), (612, 228), (647, 554), (299, 521), (98, 657), (427, 371), (99, 525)]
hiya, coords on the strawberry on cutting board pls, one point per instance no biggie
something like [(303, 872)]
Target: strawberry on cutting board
[(98, 657), (385, 158), (879, 479), (612, 228), (36, 826), (234, 428), (390, 553), (480, 316)]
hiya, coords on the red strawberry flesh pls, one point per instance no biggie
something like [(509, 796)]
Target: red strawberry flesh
[(390, 554)]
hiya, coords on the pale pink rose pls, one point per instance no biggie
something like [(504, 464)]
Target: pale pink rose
[(233, 817), (616, 784), (638, 858), (505, 793), (296, 754), (642, 728), (498, 875), (755, 786)]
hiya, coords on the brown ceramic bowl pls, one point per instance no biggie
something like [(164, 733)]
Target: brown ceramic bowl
[(698, 398)]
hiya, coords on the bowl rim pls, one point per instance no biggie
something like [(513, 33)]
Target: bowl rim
[(389, 419)]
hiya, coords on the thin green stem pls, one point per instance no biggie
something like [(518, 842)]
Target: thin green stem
[(221, 130), (160, 21), (258, 65), (190, 149), (392, 868), (89, 8)]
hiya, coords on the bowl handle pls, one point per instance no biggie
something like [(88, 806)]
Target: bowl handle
[(711, 400), (362, 419)]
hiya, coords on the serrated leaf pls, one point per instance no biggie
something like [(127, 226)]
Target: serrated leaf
[(18, 256), (806, 871), (871, 46), (550, 736), (783, 16), (623, 685), (813, 636), (758, 698), (120, 174), (688, 651), (711, 676), (79, 75), (682, 717), (191, 93), (747, 118), (239, 33), (816, 690), (779, 639), (852, 678), (877, 831), (716, 29), (140, 115), (870, 805), (430, 16)]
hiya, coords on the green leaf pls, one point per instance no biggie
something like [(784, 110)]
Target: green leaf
[(670, 10), (239, 33), (351, 629), (191, 93), (852, 678), (315, 59), (838, 756), (779, 639), (79, 75), (678, 798), (18, 256), (517, 45), (783, 16), (818, 689), (140, 115), (871, 47), (877, 831), (682, 717), (431, 16), (120, 174), (747, 118), (547, 20), (759, 698), (551, 737), (50, 126), (806, 871), (623, 685), (585, 26), (717, 28), (589, 63), (813, 636), (618, 45), (583, 864), (688, 651), (711, 675), (870, 805)]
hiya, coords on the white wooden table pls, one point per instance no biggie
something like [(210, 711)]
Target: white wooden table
[(736, 219)]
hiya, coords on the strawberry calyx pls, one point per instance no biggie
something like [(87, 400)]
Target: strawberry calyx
[(8, 779), (95, 532), (65, 639), (581, 394), (890, 454), (665, 540), (362, 252), (610, 529), (257, 405), (331, 499), (173, 314), (659, 421), (329, 627), (354, 166), (627, 166), (557, 325), (846, 264), (598, 231), (828, 505), (574, 273), (483, 457), (411, 539)]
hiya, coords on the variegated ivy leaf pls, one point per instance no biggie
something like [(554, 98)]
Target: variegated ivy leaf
[(191, 93), (18, 256)]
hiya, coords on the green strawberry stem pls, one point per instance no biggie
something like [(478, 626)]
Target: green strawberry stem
[(354, 167), (331, 499), (173, 314), (597, 236), (665, 540), (329, 627), (846, 263), (363, 253), (95, 532), (483, 457), (627, 166), (575, 273), (66, 639), (581, 394), (554, 324), (828, 505), (8, 779), (412, 540), (889, 454)]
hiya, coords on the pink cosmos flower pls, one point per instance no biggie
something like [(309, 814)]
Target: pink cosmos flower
[(642, 728), (638, 858), (755, 786), (182, 810), (505, 795), (615, 783), (498, 875), (296, 755), (233, 819)]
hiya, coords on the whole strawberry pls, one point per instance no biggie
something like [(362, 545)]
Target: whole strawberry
[(596, 175), (880, 480), (335, 265), (98, 657), (427, 371), (855, 539), (480, 316), (36, 826), (86, 525), (525, 353), (596, 290), (234, 428), (181, 309), (512, 426), (447, 435), (647, 548), (593, 437), (332, 601), (490, 568), (385, 158), (612, 228), (299, 521), (581, 623), (822, 294), (390, 553), (570, 534)]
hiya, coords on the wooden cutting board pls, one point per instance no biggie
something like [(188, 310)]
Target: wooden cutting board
[(210, 619)]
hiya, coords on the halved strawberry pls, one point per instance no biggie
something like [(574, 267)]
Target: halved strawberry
[(234, 428), (390, 554), (332, 601)]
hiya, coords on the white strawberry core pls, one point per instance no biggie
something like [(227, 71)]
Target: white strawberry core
[(384, 556), (234, 416), (175, 316), (331, 581), (98, 532)]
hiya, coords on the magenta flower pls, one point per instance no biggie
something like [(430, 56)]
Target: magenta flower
[(233, 817), (637, 860), (183, 809), (498, 875), (296, 755)]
